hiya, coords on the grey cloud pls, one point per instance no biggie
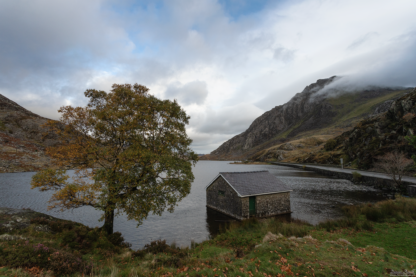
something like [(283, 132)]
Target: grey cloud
[(283, 54), (205, 143), (229, 120), (393, 65), (362, 40), (191, 93), (396, 69)]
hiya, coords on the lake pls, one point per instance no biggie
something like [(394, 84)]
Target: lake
[(314, 198)]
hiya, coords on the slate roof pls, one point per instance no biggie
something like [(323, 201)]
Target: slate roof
[(253, 182)]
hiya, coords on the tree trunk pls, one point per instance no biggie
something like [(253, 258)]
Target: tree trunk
[(108, 221)]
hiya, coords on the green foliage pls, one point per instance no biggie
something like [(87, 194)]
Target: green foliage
[(130, 151), (356, 177), (331, 144)]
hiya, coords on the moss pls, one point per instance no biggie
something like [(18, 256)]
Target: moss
[(356, 177)]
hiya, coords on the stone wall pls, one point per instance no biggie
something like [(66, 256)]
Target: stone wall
[(268, 205), (245, 209), (272, 204), (228, 203), (382, 183)]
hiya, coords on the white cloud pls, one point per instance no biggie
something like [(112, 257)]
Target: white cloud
[(225, 71)]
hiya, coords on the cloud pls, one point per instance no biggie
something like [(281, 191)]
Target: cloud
[(225, 63), (191, 93), (362, 40), (229, 120), (283, 54)]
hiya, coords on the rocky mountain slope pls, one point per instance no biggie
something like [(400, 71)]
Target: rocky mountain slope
[(22, 138), (379, 134), (308, 112)]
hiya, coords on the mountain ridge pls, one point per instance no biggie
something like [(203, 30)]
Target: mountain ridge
[(23, 138), (307, 111)]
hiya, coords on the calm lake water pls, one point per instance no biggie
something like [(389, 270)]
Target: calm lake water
[(314, 198)]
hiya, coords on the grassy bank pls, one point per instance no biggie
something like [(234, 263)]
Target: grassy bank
[(371, 240)]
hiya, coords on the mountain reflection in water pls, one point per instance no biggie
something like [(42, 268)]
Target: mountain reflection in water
[(314, 198)]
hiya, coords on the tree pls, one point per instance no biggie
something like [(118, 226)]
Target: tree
[(394, 164), (130, 152)]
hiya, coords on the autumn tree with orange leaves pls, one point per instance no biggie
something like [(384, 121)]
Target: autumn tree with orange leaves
[(130, 152)]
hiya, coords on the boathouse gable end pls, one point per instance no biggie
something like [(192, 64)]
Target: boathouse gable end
[(222, 197)]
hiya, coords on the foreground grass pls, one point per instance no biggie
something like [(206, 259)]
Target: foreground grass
[(367, 242)]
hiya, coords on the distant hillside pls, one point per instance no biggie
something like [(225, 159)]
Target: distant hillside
[(22, 138), (309, 113)]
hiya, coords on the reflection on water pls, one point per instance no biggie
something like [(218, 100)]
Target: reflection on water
[(314, 198)]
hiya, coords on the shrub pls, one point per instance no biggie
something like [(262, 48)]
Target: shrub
[(351, 211), (297, 229), (373, 214), (367, 226), (160, 246), (69, 238), (339, 223), (118, 240), (105, 244), (331, 144), (157, 246), (356, 177), (23, 254), (401, 209), (64, 263)]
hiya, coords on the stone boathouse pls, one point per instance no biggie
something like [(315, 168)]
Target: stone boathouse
[(244, 194)]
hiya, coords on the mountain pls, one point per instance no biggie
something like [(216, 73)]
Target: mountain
[(22, 138), (379, 134), (309, 113)]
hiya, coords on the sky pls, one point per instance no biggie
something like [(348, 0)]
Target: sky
[(225, 61)]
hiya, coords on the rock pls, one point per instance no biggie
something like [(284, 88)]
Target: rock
[(344, 242), (271, 237), (42, 228), (384, 107), (15, 219), (279, 155), (287, 146), (7, 237)]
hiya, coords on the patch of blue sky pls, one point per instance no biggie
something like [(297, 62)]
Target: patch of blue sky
[(242, 8), (131, 6), (147, 49)]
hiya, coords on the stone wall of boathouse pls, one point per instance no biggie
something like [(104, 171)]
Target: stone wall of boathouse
[(268, 205), (223, 198)]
